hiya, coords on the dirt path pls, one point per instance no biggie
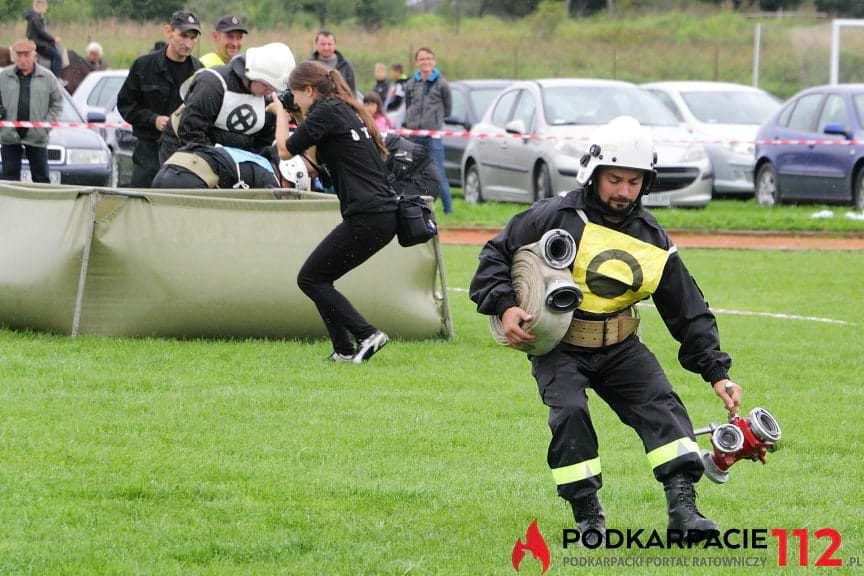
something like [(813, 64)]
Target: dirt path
[(689, 239)]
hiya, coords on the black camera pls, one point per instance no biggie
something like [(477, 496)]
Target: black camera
[(286, 97)]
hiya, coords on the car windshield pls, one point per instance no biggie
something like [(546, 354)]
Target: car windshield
[(600, 104), (481, 98), (730, 107), (70, 113)]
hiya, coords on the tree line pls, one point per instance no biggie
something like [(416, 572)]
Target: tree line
[(372, 14)]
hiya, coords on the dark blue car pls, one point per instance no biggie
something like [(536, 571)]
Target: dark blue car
[(829, 173)]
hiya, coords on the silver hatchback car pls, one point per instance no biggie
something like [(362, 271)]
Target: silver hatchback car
[(531, 138)]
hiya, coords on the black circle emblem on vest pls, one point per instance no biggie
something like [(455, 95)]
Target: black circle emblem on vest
[(242, 118), (608, 287)]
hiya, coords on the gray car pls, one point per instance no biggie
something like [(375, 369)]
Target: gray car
[(529, 143), (721, 111)]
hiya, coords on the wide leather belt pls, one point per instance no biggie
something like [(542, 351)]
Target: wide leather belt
[(196, 165), (601, 333)]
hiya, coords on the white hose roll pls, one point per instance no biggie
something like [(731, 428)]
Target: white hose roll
[(545, 292)]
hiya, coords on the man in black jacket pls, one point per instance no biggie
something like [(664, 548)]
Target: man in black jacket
[(623, 256), (327, 54), (151, 92), (226, 104), (46, 44)]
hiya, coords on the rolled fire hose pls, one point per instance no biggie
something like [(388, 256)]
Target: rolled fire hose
[(544, 289)]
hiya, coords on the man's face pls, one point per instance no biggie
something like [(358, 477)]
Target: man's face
[(181, 43), (380, 72), (93, 55), (618, 188), (326, 46), (40, 6), (425, 61), (228, 44), (25, 61), (259, 88)]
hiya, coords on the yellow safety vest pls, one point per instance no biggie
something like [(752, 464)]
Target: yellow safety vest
[(211, 59), (615, 270)]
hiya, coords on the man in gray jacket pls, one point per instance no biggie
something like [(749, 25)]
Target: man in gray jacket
[(427, 104), (29, 92)]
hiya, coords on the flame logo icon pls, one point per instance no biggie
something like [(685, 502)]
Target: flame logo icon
[(535, 544)]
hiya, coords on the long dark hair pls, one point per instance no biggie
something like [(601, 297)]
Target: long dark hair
[(330, 83)]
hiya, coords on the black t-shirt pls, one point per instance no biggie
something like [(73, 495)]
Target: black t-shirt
[(347, 151), (24, 100), (179, 71)]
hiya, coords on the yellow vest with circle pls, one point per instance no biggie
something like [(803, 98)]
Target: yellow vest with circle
[(614, 270)]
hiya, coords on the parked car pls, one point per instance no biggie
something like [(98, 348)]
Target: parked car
[(97, 94), (548, 123), (75, 155), (808, 171), (471, 99), (721, 111)]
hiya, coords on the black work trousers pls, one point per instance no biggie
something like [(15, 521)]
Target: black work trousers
[(347, 246), (628, 377), (37, 156), (171, 176), (145, 159)]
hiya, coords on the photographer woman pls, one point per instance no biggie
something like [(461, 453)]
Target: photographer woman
[(349, 148)]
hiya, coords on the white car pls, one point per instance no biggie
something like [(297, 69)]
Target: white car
[(96, 97), (721, 111), (531, 138)]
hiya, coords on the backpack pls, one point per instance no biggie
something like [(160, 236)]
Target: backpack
[(410, 168)]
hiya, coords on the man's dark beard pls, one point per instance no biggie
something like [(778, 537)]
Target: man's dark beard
[(613, 210)]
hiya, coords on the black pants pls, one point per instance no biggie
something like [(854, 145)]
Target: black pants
[(628, 377), (347, 246), (36, 155), (171, 176), (145, 158)]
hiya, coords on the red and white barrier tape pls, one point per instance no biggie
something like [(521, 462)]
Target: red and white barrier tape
[(463, 134)]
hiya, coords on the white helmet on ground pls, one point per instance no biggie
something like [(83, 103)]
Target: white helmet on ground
[(271, 63), (623, 143), (295, 172)]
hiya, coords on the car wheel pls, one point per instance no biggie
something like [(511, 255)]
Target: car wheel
[(472, 190), (542, 182), (767, 187), (858, 191)]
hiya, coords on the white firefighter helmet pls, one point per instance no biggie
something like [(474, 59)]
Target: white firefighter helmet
[(295, 172), (623, 142), (271, 63)]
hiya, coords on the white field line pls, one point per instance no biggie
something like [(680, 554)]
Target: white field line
[(738, 313)]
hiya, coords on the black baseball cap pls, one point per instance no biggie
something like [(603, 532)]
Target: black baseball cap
[(230, 24), (184, 20)]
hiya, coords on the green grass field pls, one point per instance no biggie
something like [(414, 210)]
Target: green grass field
[(256, 457), (718, 215)]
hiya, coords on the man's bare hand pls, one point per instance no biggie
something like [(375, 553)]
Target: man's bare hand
[(730, 393), (512, 320), (161, 122)]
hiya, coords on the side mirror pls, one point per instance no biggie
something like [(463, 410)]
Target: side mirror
[(515, 127), (96, 117), (836, 130)]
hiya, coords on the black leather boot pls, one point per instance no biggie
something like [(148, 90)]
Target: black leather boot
[(589, 515), (683, 514)]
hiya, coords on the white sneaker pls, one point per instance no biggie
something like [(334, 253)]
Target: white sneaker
[(370, 346), (337, 357)]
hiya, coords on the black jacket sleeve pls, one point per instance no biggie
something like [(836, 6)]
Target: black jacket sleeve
[(492, 286), (36, 30), (321, 121), (685, 312), (201, 109), (130, 98)]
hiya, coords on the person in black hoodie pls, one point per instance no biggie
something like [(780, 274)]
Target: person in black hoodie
[(622, 256), (350, 150), (46, 44)]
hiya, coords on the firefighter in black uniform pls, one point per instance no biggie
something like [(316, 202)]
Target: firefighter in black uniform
[(623, 256), (226, 104), (152, 91)]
